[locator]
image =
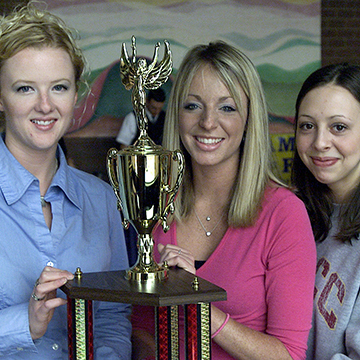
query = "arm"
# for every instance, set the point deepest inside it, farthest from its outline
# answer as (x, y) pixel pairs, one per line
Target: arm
(289, 258)
(113, 331)
(352, 336)
(128, 130)
(143, 335)
(27, 322)
(44, 301)
(15, 336)
(112, 320)
(143, 345)
(241, 342)
(287, 253)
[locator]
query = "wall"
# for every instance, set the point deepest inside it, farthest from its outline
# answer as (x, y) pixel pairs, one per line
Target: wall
(8, 5)
(340, 37)
(281, 37)
(340, 31)
(340, 41)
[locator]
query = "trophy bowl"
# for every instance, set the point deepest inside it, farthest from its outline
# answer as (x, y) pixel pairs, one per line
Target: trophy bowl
(145, 178)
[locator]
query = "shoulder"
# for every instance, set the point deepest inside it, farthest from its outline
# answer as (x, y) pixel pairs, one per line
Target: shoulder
(276, 195)
(130, 116)
(89, 183)
(286, 221)
(281, 204)
(162, 115)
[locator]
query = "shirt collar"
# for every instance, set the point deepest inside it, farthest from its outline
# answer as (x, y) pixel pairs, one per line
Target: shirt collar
(15, 179)
(150, 117)
(66, 179)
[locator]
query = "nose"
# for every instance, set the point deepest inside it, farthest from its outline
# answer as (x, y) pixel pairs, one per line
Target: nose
(44, 103)
(322, 141)
(208, 119)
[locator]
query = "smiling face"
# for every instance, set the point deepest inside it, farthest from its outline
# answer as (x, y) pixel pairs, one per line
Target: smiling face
(37, 95)
(210, 123)
(328, 137)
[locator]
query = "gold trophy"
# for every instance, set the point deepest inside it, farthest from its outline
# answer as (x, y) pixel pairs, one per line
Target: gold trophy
(145, 176)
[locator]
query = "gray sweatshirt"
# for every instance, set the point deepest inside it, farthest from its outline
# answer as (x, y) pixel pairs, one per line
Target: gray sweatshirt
(335, 334)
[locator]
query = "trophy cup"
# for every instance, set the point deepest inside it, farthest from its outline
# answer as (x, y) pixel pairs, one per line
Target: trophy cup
(145, 177)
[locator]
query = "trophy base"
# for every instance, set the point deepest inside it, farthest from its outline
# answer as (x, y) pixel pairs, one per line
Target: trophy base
(141, 275)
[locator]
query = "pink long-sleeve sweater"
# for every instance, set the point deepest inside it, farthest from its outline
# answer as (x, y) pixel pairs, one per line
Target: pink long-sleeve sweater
(268, 271)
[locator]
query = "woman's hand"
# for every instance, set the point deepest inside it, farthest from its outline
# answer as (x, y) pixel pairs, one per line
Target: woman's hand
(43, 300)
(176, 256)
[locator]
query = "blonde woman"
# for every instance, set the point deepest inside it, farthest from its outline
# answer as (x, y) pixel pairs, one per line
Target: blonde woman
(235, 224)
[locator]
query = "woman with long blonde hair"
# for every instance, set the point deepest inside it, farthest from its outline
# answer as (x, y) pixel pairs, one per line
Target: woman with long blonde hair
(235, 224)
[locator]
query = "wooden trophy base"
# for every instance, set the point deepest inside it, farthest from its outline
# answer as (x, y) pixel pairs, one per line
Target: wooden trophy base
(179, 288)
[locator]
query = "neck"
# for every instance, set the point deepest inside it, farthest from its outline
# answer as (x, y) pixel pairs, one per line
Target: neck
(213, 185)
(340, 195)
(43, 168)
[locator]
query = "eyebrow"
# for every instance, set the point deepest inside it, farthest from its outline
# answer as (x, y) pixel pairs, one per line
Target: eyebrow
(223, 98)
(333, 117)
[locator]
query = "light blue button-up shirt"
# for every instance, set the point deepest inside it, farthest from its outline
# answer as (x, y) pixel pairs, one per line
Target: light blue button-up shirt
(86, 232)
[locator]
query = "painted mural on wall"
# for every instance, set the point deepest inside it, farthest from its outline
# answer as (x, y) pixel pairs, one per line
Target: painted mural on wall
(281, 37)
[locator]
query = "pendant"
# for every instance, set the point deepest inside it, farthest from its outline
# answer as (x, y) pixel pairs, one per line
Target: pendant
(208, 218)
(208, 233)
(43, 202)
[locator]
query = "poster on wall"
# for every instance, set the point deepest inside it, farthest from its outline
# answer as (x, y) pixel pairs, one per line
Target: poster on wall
(281, 37)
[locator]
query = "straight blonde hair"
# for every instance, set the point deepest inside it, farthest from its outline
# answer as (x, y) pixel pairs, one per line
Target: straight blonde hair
(255, 167)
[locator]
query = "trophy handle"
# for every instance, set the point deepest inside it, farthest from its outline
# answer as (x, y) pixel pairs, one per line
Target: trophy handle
(112, 173)
(179, 157)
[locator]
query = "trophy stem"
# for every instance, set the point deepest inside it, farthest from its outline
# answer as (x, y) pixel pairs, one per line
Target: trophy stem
(146, 267)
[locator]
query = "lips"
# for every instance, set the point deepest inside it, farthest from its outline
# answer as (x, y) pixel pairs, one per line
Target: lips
(324, 161)
(43, 122)
(208, 141)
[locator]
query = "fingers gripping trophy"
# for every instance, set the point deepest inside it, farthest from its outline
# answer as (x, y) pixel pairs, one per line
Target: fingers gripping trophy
(145, 176)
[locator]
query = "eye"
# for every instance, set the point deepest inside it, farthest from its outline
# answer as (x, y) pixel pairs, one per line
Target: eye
(60, 87)
(191, 106)
(24, 89)
(228, 108)
(306, 126)
(339, 127)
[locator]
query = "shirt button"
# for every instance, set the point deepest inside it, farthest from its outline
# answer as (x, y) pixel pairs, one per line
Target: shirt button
(55, 346)
(50, 263)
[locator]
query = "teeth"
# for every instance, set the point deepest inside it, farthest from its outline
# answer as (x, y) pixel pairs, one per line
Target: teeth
(42, 122)
(208, 141)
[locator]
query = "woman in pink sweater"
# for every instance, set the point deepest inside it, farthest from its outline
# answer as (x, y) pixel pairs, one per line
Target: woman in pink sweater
(235, 224)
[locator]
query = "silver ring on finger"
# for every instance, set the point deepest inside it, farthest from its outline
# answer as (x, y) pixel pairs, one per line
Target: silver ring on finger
(37, 282)
(179, 251)
(33, 295)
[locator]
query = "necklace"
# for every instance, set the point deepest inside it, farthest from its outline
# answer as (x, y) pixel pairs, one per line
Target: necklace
(43, 202)
(42, 197)
(208, 233)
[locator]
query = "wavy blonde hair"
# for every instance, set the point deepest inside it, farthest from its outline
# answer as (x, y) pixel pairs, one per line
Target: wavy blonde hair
(31, 26)
(256, 163)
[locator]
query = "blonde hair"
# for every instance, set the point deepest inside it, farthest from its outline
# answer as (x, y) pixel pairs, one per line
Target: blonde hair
(255, 167)
(30, 26)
